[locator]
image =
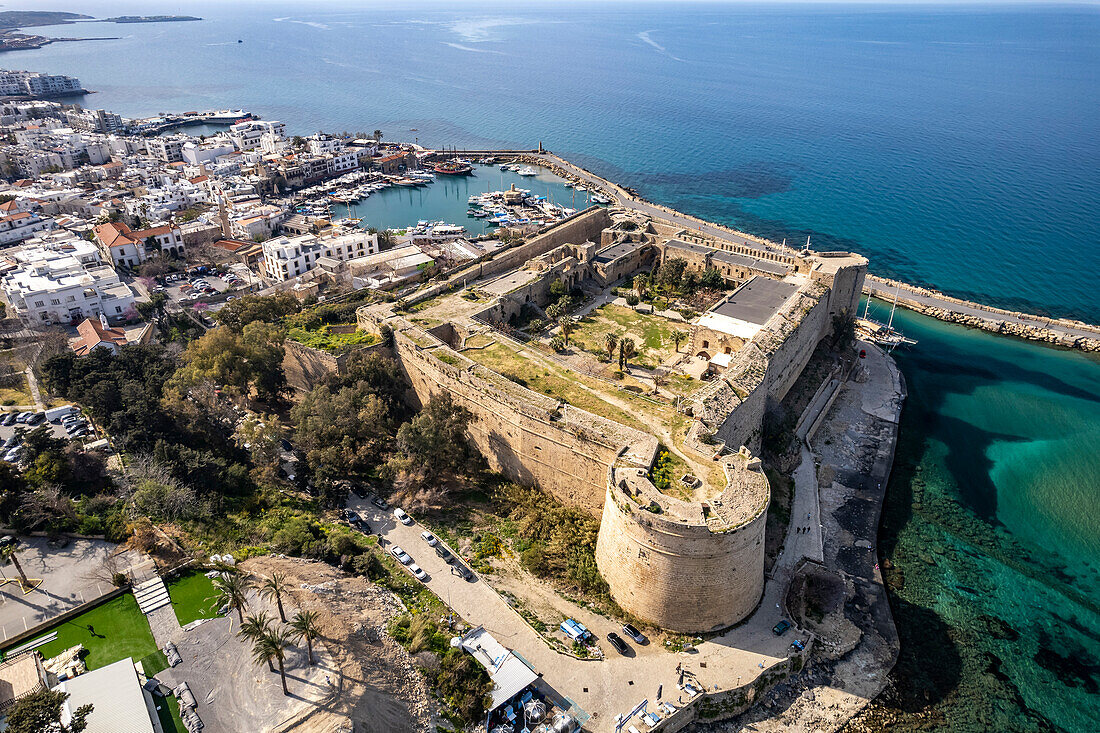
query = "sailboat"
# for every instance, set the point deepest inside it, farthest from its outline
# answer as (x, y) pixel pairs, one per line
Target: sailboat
(879, 334)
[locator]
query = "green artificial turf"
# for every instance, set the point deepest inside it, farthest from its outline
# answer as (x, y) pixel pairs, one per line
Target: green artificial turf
(168, 711)
(121, 631)
(193, 597)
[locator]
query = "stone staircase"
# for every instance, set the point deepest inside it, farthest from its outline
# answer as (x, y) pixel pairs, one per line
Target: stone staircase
(151, 594)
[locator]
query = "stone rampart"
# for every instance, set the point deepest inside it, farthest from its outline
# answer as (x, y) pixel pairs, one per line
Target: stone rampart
(527, 436)
(689, 567)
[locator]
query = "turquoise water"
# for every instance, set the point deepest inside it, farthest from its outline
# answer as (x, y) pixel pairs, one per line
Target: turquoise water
(447, 199)
(955, 146)
(992, 527)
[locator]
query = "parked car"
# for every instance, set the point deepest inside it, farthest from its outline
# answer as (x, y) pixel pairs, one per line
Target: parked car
(402, 516)
(633, 633)
(618, 643)
(357, 490)
(14, 454)
(444, 553)
(797, 644)
(9, 419)
(36, 418)
(781, 628)
(379, 502)
(429, 538)
(464, 571)
(418, 573)
(401, 555)
(353, 517)
(21, 418)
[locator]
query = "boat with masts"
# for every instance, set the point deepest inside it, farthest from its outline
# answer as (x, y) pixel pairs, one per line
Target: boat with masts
(883, 335)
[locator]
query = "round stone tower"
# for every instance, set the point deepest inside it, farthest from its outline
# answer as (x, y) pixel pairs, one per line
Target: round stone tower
(689, 567)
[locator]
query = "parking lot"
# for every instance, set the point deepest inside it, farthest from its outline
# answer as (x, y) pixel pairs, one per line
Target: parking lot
(56, 429)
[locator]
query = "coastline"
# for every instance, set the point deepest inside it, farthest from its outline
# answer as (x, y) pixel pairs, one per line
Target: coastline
(1061, 332)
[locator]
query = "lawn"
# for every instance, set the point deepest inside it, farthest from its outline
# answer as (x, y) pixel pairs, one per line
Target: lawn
(193, 597)
(121, 630)
(17, 392)
(652, 335)
(327, 340)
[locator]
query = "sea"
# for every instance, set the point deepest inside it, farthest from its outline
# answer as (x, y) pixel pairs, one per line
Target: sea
(957, 146)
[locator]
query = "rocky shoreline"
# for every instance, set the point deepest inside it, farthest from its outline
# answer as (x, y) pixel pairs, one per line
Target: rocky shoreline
(1057, 332)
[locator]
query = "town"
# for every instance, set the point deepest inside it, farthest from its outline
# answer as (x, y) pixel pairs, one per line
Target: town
(249, 435)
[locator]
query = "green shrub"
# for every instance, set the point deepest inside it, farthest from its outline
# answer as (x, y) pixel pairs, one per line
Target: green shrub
(662, 471)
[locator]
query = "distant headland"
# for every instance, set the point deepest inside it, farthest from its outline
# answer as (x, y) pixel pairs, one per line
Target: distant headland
(12, 21)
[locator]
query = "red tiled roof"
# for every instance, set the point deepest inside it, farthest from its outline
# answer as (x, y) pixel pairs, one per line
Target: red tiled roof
(92, 333)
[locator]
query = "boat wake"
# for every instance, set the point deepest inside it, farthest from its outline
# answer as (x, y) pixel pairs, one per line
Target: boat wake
(460, 47)
(644, 36)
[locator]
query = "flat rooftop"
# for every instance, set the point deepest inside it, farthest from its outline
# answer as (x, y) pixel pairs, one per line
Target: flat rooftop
(768, 266)
(757, 300)
(615, 251)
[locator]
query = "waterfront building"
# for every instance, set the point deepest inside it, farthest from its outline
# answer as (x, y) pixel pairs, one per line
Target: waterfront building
(36, 84)
(167, 149)
(246, 135)
(288, 257)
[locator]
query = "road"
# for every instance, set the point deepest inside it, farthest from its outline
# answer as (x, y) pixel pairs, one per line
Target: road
(607, 687)
(622, 197)
(885, 290)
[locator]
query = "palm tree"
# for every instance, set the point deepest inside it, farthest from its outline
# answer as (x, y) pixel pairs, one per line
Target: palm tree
(641, 284)
(678, 338)
(610, 341)
(626, 350)
(263, 652)
(304, 626)
(377, 135)
(274, 643)
(233, 589)
(274, 587)
(7, 553)
(566, 324)
(254, 627)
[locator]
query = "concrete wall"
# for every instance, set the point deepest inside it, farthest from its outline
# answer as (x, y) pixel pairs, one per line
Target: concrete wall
(306, 367)
(679, 575)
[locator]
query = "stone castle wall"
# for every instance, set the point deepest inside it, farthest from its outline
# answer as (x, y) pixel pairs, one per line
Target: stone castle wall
(679, 577)
(529, 437)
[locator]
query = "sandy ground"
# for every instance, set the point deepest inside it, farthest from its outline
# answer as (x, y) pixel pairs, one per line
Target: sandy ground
(376, 687)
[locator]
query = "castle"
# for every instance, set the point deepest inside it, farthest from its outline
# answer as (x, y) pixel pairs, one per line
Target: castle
(687, 557)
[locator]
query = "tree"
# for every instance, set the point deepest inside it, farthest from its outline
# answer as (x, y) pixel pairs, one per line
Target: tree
(273, 588)
(712, 280)
(268, 308)
(567, 326)
(272, 646)
(626, 350)
(40, 712)
(678, 337)
(377, 135)
(555, 311)
(433, 446)
(305, 628)
(7, 553)
(671, 272)
(610, 341)
(253, 629)
(247, 362)
(557, 290)
(641, 284)
(233, 591)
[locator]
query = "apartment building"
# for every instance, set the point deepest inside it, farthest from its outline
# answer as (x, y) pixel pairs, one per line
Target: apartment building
(288, 257)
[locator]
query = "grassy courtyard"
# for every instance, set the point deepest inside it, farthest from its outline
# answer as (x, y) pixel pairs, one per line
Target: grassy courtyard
(193, 598)
(592, 395)
(652, 335)
(110, 632)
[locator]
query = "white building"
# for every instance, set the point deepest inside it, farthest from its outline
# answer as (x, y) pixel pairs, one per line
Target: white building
(167, 149)
(19, 226)
(35, 84)
(248, 134)
(288, 257)
(62, 283)
(196, 152)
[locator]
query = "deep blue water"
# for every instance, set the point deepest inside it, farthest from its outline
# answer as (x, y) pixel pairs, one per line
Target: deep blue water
(955, 146)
